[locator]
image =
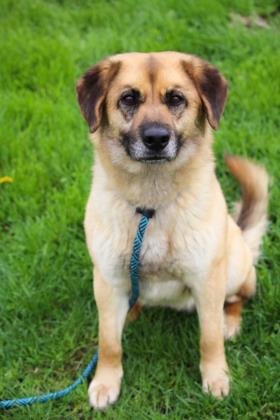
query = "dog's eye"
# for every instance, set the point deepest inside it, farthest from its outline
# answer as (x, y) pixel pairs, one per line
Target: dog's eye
(174, 99)
(130, 99)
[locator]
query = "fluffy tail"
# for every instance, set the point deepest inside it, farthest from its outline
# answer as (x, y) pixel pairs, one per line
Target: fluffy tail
(251, 212)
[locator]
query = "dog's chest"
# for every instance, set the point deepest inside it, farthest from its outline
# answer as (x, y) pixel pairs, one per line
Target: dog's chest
(162, 275)
(173, 256)
(170, 261)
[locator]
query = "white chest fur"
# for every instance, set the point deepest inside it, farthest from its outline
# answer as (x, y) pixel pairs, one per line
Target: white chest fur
(176, 252)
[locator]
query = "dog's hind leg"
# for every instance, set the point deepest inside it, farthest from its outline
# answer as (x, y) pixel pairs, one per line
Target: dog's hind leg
(232, 318)
(134, 312)
(233, 306)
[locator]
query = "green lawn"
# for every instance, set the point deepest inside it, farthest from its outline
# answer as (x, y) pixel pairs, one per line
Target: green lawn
(48, 317)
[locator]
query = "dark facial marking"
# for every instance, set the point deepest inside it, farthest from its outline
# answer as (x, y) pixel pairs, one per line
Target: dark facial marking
(152, 69)
(127, 139)
(128, 102)
(175, 101)
(136, 147)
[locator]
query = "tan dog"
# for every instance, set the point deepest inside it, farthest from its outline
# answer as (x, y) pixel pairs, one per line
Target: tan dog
(151, 118)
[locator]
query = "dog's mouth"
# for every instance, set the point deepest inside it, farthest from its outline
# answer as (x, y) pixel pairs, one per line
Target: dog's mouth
(154, 159)
(143, 156)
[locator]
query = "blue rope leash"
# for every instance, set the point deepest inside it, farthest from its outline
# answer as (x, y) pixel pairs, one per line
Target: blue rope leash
(134, 278)
(134, 260)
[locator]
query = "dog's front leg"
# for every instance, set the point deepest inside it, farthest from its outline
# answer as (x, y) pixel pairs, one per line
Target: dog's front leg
(210, 297)
(112, 304)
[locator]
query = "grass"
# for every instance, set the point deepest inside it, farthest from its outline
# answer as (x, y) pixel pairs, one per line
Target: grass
(48, 317)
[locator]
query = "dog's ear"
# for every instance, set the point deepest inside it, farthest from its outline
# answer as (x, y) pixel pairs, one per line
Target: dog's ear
(92, 89)
(211, 87)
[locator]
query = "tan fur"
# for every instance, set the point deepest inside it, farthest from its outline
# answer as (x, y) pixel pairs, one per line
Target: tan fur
(134, 312)
(193, 252)
(252, 211)
(232, 318)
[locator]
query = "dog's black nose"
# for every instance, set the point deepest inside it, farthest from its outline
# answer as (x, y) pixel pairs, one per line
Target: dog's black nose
(155, 137)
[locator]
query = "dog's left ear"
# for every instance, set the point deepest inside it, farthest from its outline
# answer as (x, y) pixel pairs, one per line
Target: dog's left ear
(92, 89)
(211, 87)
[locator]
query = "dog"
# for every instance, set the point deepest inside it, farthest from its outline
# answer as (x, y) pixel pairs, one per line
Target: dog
(150, 117)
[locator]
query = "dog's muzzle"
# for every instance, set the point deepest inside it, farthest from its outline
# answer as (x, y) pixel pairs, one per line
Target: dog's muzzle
(152, 143)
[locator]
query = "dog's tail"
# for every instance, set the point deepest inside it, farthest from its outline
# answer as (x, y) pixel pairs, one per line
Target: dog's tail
(251, 212)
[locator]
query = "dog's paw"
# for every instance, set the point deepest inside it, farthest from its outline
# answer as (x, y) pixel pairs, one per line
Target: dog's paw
(104, 391)
(215, 382)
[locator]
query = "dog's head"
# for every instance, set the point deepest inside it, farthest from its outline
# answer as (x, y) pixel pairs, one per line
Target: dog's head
(151, 108)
